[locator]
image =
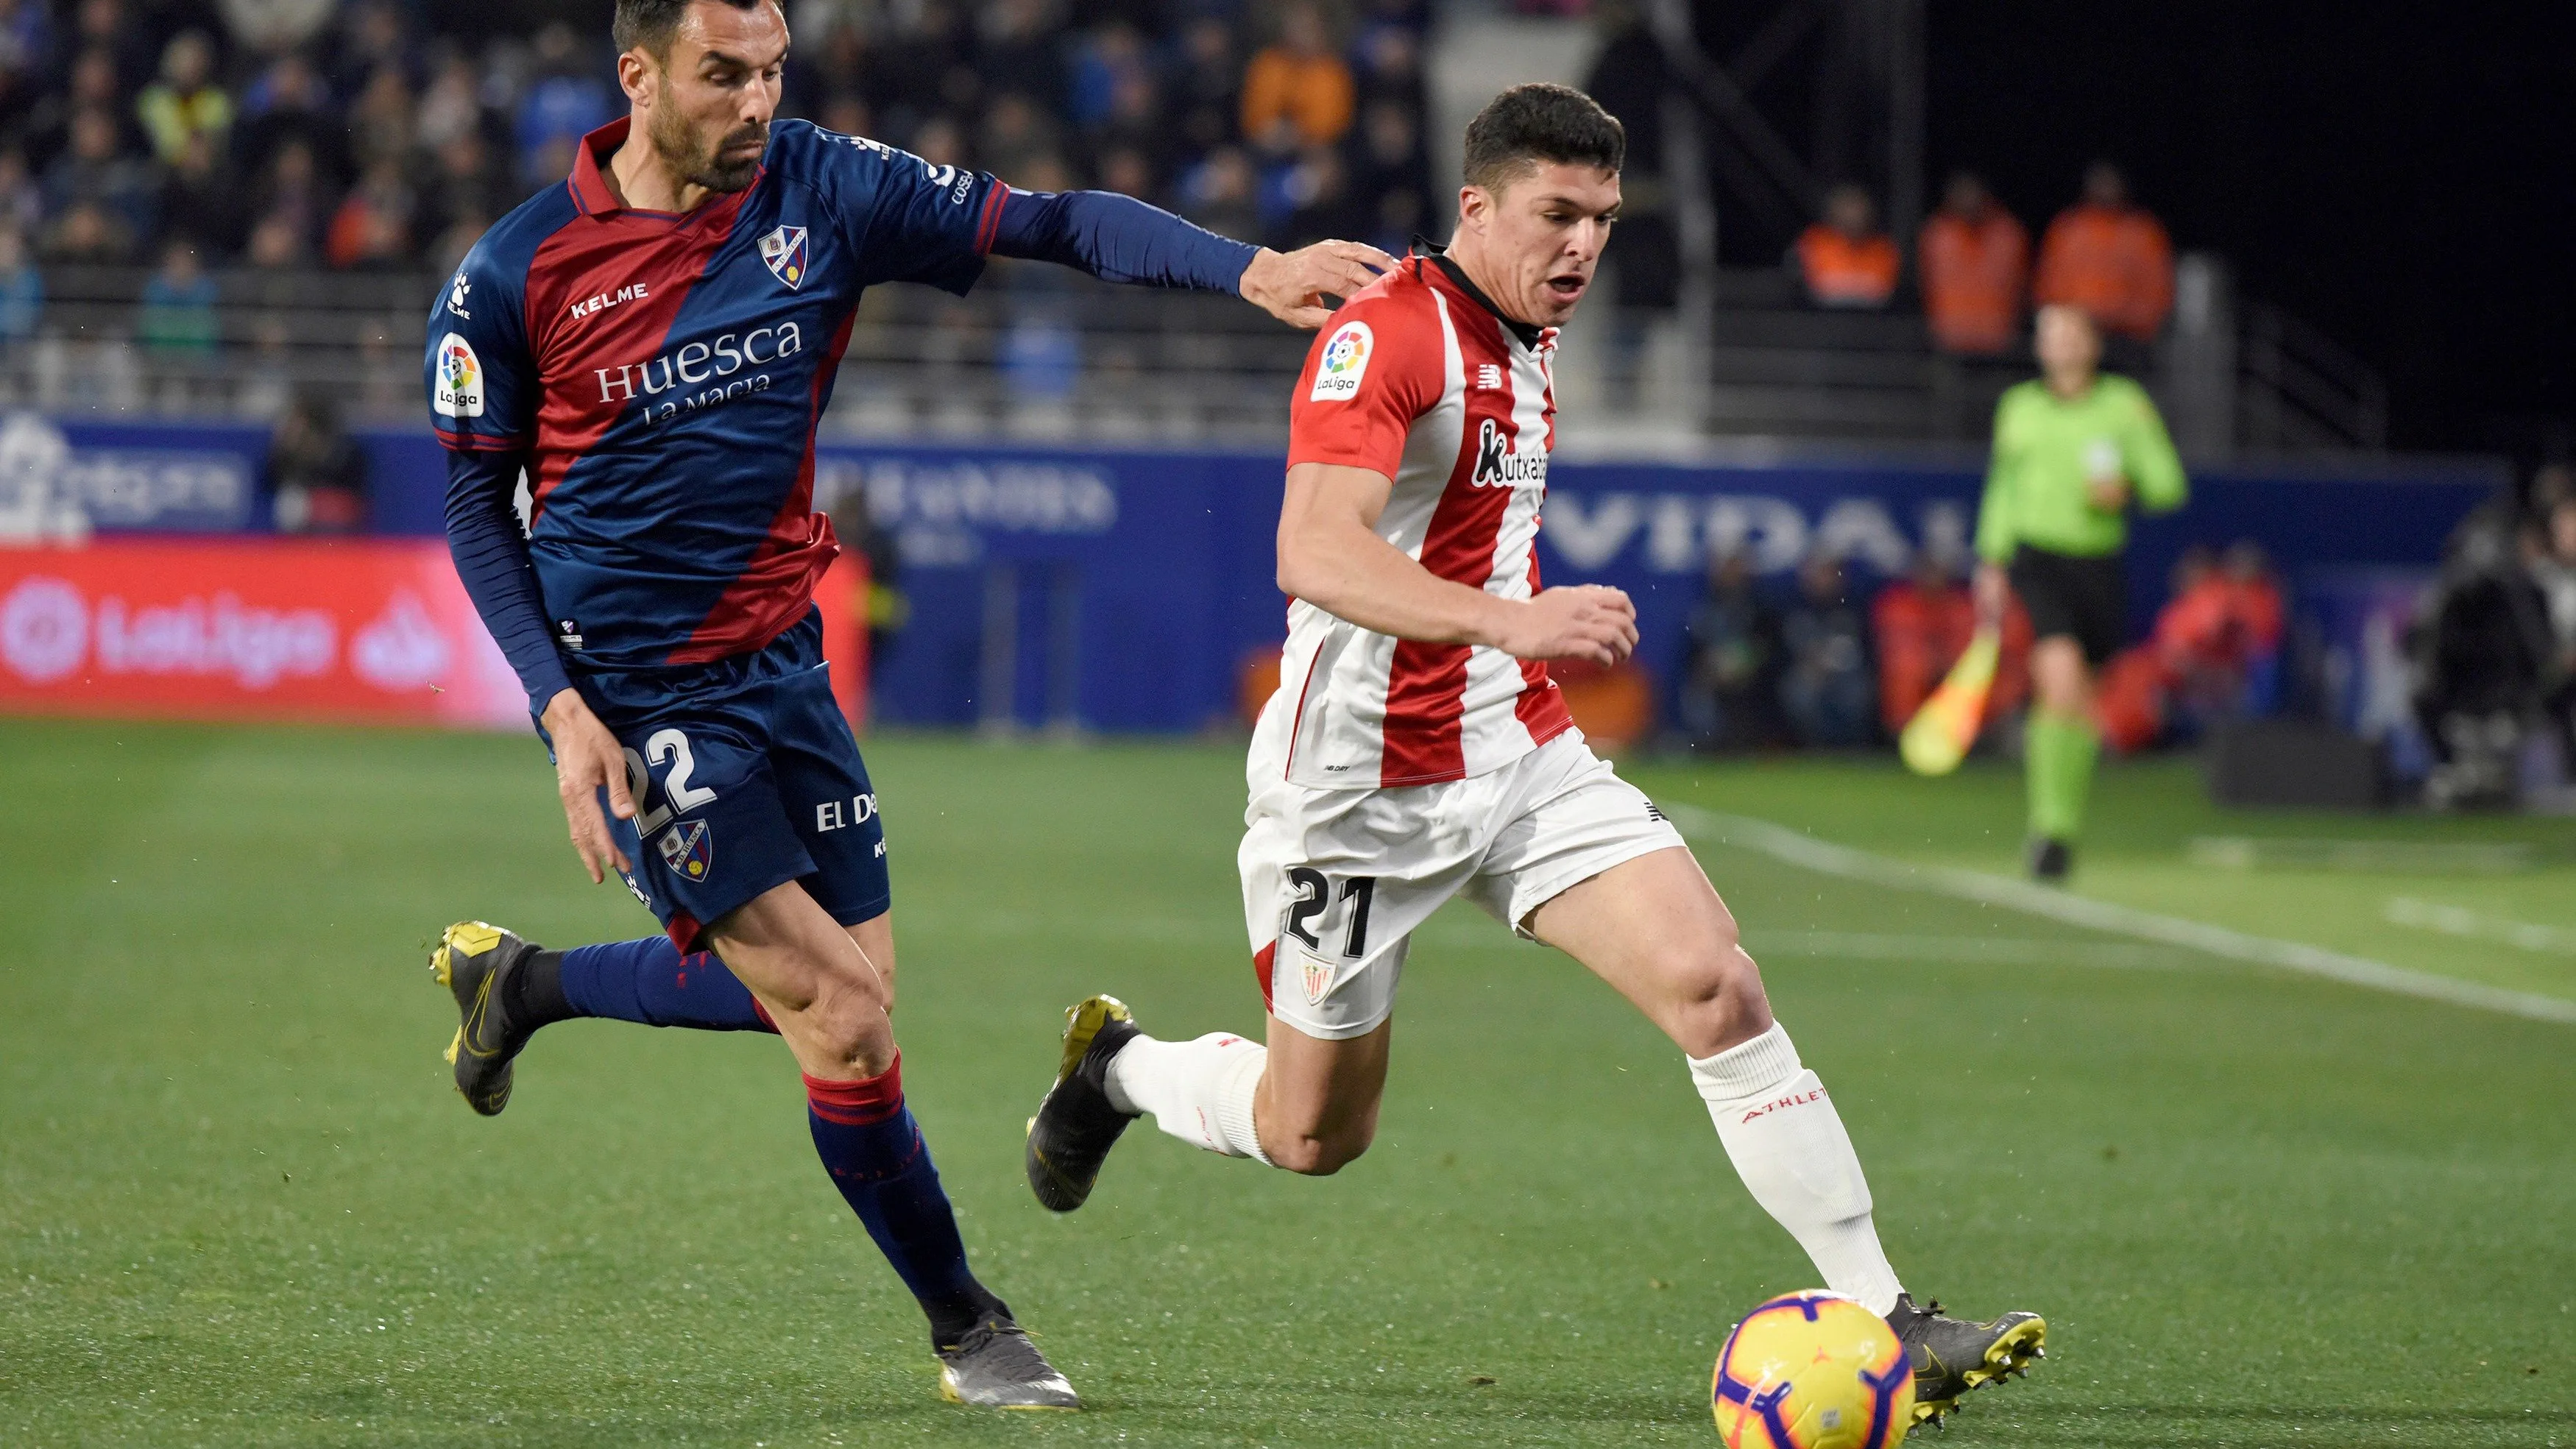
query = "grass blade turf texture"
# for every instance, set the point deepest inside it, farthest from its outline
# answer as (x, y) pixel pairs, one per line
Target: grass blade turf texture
(240, 1203)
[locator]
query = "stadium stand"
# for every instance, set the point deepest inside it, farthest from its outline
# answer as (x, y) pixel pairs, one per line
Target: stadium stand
(326, 162)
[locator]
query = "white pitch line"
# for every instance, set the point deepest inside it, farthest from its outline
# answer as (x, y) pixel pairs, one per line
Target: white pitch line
(1783, 844)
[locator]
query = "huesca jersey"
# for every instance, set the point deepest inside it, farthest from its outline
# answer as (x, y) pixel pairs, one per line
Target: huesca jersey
(663, 374)
(1419, 378)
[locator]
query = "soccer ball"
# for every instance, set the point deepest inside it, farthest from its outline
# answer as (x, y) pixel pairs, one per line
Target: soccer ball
(1813, 1370)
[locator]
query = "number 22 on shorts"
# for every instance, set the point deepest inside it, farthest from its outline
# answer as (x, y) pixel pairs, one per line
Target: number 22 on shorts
(673, 746)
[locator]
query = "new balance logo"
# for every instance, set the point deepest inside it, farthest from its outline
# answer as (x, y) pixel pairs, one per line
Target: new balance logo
(1489, 375)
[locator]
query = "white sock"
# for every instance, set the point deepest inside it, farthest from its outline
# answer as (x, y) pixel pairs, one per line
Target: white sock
(1199, 1091)
(1789, 1146)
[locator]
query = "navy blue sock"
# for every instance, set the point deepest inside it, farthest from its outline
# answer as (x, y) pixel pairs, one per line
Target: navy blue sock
(873, 1149)
(647, 980)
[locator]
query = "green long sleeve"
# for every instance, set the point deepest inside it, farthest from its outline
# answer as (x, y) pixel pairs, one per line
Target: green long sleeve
(2047, 449)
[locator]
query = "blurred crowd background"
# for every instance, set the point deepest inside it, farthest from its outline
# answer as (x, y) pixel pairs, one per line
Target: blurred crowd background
(235, 211)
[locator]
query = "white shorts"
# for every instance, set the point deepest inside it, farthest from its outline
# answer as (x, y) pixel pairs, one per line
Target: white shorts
(1336, 881)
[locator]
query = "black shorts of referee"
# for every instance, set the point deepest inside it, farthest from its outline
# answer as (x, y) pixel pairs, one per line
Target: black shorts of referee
(2085, 599)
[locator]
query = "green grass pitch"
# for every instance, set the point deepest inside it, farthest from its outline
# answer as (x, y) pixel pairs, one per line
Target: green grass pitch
(240, 1204)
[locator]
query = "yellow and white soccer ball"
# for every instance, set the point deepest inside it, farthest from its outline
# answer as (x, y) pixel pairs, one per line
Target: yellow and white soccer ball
(1813, 1370)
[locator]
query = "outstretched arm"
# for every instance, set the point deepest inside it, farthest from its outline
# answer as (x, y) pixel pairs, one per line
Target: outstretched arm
(1120, 239)
(1331, 556)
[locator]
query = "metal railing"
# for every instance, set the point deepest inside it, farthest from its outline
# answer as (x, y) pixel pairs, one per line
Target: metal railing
(1044, 355)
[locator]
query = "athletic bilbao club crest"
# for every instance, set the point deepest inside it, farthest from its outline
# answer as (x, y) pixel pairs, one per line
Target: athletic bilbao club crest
(784, 250)
(689, 849)
(1318, 974)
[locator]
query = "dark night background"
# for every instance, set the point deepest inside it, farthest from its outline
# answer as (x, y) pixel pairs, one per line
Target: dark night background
(2402, 176)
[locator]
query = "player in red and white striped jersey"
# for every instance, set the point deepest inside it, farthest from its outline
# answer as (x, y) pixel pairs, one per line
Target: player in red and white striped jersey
(1417, 751)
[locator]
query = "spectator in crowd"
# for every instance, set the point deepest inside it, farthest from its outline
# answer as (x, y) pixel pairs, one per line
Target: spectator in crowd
(1825, 685)
(1015, 135)
(1017, 54)
(109, 26)
(1207, 85)
(1729, 697)
(201, 199)
(567, 101)
(1974, 262)
(1845, 261)
(95, 174)
(451, 105)
(88, 234)
(1297, 92)
(1390, 179)
(374, 38)
(288, 104)
(185, 102)
(2110, 258)
(292, 194)
(22, 201)
(273, 27)
(1134, 123)
(317, 476)
(463, 184)
(1103, 61)
(1218, 193)
(26, 47)
(372, 227)
(46, 132)
(380, 123)
(2213, 655)
(1320, 200)
(22, 289)
(177, 316)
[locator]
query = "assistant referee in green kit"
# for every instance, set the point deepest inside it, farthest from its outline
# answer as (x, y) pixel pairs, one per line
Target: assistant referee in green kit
(2074, 448)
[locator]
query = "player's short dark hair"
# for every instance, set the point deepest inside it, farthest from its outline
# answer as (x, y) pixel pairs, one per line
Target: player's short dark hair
(651, 23)
(1539, 122)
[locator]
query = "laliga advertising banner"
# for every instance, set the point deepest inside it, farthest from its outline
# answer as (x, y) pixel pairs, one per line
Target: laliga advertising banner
(373, 631)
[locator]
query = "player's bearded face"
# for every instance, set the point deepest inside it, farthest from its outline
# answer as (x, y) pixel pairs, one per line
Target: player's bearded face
(715, 153)
(1543, 234)
(717, 89)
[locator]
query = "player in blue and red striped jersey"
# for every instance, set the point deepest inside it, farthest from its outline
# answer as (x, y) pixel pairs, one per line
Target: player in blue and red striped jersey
(652, 343)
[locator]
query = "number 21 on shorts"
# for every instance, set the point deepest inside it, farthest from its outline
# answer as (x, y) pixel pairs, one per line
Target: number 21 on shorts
(1318, 897)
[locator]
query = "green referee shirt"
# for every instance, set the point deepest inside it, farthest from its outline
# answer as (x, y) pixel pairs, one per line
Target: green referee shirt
(2047, 448)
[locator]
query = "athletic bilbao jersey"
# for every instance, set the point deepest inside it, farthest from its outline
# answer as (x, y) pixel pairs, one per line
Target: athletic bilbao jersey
(664, 374)
(1419, 378)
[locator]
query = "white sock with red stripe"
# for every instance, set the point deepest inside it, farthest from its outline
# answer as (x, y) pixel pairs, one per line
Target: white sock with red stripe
(1199, 1091)
(1789, 1146)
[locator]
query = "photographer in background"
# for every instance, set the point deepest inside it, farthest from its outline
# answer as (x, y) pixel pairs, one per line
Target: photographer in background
(317, 476)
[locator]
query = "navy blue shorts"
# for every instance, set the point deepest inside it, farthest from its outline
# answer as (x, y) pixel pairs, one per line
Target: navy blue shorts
(745, 777)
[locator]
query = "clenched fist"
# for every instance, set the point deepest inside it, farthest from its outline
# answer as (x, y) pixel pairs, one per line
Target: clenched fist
(1584, 621)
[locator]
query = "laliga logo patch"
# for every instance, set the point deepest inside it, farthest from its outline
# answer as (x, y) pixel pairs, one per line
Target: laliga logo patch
(784, 250)
(1345, 362)
(689, 849)
(457, 391)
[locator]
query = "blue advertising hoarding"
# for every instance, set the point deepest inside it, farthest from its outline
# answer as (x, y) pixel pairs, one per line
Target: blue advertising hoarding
(1122, 589)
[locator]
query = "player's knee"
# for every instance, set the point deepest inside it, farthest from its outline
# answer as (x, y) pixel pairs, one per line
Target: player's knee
(1719, 1001)
(847, 1020)
(1321, 1153)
